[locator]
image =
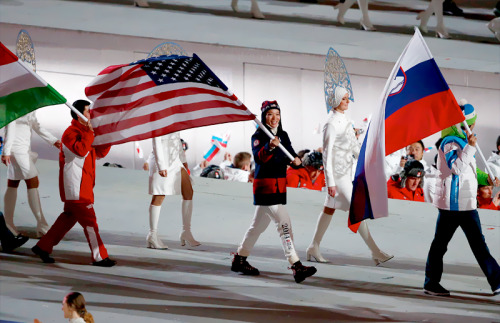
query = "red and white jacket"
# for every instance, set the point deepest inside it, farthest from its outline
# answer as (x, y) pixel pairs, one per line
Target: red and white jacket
(77, 164)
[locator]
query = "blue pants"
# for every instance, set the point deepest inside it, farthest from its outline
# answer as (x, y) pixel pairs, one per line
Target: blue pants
(447, 224)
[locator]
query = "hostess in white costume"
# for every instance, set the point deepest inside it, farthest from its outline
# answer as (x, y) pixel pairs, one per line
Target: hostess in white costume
(340, 150)
(168, 155)
(22, 167)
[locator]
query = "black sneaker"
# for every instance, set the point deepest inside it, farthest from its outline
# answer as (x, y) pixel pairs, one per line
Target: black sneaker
(301, 272)
(106, 262)
(241, 265)
(8, 245)
(436, 290)
(451, 9)
(44, 255)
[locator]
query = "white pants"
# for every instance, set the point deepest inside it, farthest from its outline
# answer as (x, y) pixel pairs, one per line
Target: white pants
(342, 199)
(262, 218)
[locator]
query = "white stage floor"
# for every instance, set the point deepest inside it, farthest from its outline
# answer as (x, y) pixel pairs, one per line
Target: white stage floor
(196, 284)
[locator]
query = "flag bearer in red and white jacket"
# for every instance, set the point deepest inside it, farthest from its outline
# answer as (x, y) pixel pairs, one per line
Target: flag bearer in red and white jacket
(76, 186)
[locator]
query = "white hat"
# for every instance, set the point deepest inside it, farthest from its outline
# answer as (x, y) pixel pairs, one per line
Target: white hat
(339, 94)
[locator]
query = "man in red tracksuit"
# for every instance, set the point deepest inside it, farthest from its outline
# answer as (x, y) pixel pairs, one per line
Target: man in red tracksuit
(407, 186)
(76, 187)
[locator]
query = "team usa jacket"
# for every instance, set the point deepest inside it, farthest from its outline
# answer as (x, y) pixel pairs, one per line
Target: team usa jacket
(269, 186)
(77, 164)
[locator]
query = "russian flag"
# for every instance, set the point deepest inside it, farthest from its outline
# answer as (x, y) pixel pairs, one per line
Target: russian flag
(415, 104)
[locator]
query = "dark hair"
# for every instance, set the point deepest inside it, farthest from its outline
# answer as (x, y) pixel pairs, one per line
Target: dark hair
(80, 106)
(76, 301)
(498, 142)
(421, 144)
(302, 153)
(212, 171)
(241, 159)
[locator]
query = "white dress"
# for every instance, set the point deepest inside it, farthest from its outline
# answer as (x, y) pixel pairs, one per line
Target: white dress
(18, 146)
(167, 155)
(340, 150)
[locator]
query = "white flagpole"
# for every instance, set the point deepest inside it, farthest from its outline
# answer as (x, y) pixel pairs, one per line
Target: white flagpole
(267, 132)
(78, 113)
(488, 169)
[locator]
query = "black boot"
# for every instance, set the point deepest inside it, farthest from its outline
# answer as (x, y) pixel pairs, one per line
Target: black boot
(241, 265)
(106, 262)
(450, 8)
(301, 272)
(44, 255)
(8, 240)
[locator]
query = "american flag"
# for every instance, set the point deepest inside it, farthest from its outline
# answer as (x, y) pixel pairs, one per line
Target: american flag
(157, 96)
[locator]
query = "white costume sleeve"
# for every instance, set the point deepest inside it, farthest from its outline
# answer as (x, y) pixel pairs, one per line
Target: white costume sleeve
(42, 132)
(158, 152)
(328, 141)
(10, 134)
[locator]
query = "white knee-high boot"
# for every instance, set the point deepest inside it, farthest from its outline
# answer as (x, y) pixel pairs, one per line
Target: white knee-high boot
(378, 255)
(313, 250)
(365, 22)
(10, 199)
(255, 10)
(343, 7)
(234, 5)
(152, 239)
(186, 235)
(441, 31)
(141, 3)
(34, 201)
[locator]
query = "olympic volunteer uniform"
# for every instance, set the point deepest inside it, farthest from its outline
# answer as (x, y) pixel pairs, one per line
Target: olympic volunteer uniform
(76, 187)
(22, 166)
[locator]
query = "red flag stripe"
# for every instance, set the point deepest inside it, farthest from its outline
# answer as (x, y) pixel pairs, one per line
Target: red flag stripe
(166, 112)
(151, 98)
(178, 126)
(110, 80)
(6, 56)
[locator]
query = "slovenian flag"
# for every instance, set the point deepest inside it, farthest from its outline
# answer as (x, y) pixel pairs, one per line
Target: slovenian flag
(21, 89)
(415, 104)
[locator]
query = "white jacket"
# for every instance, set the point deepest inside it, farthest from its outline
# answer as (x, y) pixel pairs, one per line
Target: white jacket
(456, 180)
(340, 147)
(494, 163)
(18, 135)
(168, 152)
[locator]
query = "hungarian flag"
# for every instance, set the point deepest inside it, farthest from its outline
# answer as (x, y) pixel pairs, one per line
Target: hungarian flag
(415, 104)
(21, 89)
(157, 96)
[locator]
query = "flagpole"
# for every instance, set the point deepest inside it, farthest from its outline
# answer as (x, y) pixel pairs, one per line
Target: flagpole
(488, 169)
(267, 132)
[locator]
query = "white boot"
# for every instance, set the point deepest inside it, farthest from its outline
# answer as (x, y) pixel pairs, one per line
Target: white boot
(378, 255)
(10, 205)
(141, 3)
(441, 31)
(186, 235)
(365, 22)
(254, 9)
(343, 7)
(152, 239)
(313, 250)
(234, 5)
(34, 201)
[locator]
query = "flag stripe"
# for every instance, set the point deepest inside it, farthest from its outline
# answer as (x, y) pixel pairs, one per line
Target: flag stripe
(178, 126)
(127, 121)
(430, 111)
(109, 80)
(14, 78)
(7, 56)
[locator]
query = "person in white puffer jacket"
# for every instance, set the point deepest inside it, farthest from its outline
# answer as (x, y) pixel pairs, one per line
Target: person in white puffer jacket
(20, 161)
(168, 176)
(340, 148)
(455, 197)
(494, 164)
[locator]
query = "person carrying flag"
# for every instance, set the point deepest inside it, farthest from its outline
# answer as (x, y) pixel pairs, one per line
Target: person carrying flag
(168, 176)
(340, 147)
(76, 187)
(269, 192)
(455, 198)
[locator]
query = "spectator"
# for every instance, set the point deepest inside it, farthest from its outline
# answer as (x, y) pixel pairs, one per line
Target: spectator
(485, 199)
(408, 186)
(73, 307)
(310, 175)
(239, 169)
(76, 186)
(455, 198)
(212, 171)
(494, 160)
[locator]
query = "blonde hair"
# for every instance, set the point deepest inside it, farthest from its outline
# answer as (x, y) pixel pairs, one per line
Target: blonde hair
(76, 301)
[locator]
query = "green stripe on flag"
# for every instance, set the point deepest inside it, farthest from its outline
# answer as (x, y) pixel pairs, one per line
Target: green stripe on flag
(17, 104)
